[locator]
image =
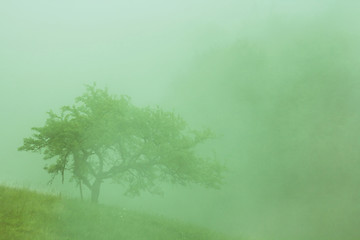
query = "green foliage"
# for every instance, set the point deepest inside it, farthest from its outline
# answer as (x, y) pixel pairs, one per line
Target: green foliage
(26, 215)
(106, 137)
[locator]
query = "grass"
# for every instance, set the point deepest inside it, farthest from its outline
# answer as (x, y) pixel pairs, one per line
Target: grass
(27, 215)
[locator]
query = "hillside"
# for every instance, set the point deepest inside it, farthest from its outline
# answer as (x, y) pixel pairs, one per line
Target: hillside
(27, 215)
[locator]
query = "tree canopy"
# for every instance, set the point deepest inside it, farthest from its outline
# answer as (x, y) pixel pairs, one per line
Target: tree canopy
(104, 136)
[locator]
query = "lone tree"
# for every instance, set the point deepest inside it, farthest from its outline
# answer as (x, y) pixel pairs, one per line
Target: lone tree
(106, 137)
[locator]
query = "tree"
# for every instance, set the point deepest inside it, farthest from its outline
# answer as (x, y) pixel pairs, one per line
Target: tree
(104, 137)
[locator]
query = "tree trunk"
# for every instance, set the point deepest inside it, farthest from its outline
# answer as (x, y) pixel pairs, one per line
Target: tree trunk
(81, 191)
(95, 191)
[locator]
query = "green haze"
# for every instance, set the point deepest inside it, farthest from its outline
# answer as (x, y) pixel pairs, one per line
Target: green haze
(277, 81)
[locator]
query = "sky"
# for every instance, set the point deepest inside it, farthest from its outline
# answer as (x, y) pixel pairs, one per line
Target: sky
(277, 80)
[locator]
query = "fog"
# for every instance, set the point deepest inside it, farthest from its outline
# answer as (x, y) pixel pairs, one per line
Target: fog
(277, 81)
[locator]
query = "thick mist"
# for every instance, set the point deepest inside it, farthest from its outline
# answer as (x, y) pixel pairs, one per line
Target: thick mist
(277, 81)
(285, 103)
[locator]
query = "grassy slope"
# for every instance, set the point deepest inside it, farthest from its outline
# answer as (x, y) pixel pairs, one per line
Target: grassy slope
(33, 216)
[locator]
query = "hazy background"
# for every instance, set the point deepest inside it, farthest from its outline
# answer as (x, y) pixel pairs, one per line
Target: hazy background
(278, 81)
